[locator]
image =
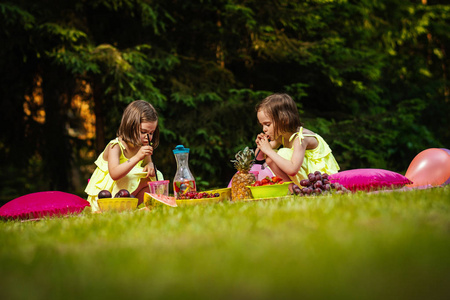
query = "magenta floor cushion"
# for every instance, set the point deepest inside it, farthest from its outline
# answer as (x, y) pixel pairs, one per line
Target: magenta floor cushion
(43, 204)
(369, 179)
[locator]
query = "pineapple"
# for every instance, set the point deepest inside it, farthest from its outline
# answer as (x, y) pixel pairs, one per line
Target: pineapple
(244, 161)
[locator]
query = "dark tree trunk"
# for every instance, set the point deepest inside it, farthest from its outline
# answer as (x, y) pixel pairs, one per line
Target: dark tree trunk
(57, 151)
(99, 117)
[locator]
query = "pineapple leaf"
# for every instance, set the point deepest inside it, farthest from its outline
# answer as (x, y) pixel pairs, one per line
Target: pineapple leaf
(244, 159)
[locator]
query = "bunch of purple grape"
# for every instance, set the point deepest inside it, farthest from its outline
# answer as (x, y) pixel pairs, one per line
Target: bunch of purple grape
(317, 184)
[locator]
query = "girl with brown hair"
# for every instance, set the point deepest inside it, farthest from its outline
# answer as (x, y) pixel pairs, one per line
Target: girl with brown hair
(126, 161)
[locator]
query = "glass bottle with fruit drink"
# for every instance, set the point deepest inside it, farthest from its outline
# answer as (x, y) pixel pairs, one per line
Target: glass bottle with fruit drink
(183, 181)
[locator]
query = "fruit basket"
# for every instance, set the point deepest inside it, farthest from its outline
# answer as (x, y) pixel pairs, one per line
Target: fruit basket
(184, 202)
(191, 198)
(117, 204)
(270, 191)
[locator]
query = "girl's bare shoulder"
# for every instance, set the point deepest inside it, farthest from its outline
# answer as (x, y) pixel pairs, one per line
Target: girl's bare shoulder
(310, 140)
(111, 149)
(307, 131)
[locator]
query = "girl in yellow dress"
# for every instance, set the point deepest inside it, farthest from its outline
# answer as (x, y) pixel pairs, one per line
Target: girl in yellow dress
(126, 161)
(303, 151)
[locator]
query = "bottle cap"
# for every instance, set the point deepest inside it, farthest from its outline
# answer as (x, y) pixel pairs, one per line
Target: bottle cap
(180, 149)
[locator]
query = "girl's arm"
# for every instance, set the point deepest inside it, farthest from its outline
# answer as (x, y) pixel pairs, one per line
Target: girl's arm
(149, 167)
(118, 170)
(290, 167)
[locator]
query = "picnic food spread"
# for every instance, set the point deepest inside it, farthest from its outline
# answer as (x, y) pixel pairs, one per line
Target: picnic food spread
(244, 185)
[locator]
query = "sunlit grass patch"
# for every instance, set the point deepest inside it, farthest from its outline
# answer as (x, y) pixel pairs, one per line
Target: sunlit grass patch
(355, 246)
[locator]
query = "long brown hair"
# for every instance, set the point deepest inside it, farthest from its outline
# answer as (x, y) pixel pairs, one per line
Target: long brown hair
(135, 113)
(283, 112)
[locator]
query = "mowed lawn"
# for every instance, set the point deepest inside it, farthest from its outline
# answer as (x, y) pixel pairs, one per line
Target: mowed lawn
(392, 245)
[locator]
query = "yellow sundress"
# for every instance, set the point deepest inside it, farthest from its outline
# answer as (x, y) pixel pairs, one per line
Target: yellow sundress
(101, 180)
(318, 159)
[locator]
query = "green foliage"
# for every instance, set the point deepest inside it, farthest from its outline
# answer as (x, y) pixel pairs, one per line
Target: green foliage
(356, 138)
(13, 15)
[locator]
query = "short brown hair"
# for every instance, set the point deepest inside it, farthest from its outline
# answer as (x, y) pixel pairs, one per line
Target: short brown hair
(135, 113)
(283, 112)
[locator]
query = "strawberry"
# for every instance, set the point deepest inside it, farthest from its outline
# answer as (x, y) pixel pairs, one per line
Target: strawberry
(276, 179)
(265, 180)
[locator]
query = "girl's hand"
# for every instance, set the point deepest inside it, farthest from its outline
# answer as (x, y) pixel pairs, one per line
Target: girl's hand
(260, 136)
(144, 151)
(263, 143)
(150, 169)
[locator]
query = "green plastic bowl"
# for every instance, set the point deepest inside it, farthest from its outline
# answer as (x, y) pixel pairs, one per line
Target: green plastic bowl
(270, 191)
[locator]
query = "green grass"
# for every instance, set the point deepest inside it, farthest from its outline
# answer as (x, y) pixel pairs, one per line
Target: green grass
(358, 246)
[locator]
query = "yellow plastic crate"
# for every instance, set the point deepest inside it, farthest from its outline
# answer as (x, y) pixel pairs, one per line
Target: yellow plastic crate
(117, 204)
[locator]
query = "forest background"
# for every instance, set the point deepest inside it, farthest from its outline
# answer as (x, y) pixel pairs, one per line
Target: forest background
(370, 76)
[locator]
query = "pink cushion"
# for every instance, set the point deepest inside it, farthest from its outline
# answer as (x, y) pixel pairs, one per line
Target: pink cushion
(43, 204)
(369, 179)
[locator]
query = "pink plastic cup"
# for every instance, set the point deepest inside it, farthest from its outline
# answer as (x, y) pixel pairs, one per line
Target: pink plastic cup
(160, 187)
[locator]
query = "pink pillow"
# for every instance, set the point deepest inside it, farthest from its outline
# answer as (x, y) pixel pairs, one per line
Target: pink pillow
(369, 179)
(43, 204)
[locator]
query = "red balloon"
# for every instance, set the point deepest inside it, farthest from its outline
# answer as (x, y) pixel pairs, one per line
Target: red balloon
(431, 166)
